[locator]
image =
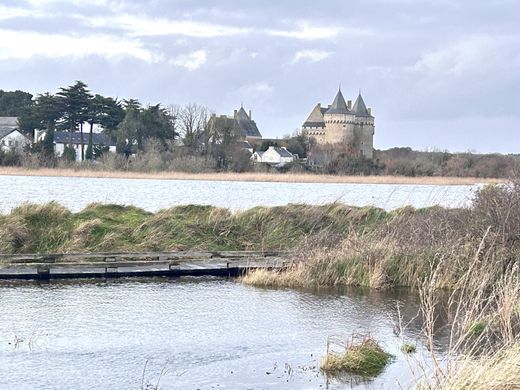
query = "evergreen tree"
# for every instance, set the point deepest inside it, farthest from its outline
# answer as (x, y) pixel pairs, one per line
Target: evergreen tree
(76, 100)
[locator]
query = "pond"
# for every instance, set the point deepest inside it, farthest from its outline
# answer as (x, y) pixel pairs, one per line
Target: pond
(191, 333)
(76, 192)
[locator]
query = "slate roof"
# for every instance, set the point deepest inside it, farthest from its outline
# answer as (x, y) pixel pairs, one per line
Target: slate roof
(63, 137)
(242, 122)
(7, 125)
(282, 152)
(360, 109)
(315, 119)
(339, 106)
(245, 145)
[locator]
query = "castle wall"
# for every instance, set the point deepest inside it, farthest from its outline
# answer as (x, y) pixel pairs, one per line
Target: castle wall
(339, 128)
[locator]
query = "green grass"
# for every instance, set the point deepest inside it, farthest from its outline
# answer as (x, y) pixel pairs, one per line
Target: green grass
(477, 328)
(52, 228)
(408, 348)
(365, 358)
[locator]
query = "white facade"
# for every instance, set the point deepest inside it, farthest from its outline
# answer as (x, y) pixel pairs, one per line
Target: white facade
(59, 148)
(274, 155)
(14, 141)
(63, 140)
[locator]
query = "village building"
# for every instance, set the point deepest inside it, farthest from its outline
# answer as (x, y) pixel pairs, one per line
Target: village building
(274, 155)
(241, 122)
(11, 139)
(62, 139)
(342, 123)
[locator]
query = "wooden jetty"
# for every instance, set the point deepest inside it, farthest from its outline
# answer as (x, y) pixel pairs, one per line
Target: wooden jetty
(113, 265)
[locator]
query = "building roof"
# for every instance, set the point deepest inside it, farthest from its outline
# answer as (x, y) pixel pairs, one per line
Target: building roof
(339, 106)
(245, 145)
(281, 151)
(7, 125)
(63, 137)
(242, 122)
(315, 119)
(360, 109)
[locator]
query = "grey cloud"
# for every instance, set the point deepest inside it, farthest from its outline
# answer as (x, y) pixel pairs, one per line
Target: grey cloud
(434, 71)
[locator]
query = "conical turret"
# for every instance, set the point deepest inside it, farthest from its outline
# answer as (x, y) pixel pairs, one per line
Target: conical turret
(339, 106)
(360, 109)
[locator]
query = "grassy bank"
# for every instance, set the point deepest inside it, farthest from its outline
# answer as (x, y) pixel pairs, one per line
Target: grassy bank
(403, 247)
(246, 176)
(53, 228)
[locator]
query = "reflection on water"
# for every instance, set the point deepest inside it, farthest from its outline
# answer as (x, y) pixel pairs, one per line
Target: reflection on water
(205, 333)
(152, 195)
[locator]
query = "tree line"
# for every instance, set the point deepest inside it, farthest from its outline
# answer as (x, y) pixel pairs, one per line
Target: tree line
(134, 128)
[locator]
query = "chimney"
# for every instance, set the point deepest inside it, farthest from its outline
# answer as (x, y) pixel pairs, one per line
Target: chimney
(349, 104)
(250, 116)
(235, 114)
(369, 110)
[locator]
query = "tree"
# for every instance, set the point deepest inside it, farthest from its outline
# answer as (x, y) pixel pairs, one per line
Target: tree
(76, 100)
(224, 145)
(15, 102)
(193, 123)
(298, 144)
(95, 110)
(140, 125)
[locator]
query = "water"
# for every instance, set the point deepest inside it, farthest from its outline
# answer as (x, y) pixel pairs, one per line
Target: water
(202, 333)
(75, 193)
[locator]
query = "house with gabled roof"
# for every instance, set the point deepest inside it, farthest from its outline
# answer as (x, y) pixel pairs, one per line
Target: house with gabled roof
(342, 123)
(11, 139)
(274, 155)
(63, 139)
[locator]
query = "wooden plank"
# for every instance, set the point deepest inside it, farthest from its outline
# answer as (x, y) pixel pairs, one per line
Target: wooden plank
(223, 263)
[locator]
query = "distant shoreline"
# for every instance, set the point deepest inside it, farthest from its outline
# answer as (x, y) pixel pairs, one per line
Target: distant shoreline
(248, 176)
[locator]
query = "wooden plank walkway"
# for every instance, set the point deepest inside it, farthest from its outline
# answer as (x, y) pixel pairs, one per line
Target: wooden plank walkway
(112, 265)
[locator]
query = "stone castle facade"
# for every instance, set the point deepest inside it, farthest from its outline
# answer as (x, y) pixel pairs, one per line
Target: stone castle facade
(342, 123)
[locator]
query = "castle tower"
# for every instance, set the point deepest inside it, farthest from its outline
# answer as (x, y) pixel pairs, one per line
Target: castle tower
(339, 121)
(364, 127)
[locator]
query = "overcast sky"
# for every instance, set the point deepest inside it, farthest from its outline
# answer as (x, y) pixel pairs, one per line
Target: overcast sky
(438, 73)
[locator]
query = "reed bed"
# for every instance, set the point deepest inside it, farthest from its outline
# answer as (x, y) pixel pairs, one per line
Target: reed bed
(289, 177)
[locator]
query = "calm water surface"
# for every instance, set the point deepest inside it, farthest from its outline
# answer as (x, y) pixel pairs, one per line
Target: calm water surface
(202, 333)
(152, 195)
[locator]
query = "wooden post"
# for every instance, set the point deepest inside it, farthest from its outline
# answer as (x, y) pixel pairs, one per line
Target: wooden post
(43, 272)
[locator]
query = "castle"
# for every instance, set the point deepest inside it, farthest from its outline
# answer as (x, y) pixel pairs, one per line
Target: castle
(341, 122)
(241, 122)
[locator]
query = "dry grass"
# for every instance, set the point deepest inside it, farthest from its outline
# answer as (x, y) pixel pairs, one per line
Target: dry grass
(499, 370)
(253, 176)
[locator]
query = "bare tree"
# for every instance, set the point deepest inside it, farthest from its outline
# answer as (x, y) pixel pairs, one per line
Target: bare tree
(193, 120)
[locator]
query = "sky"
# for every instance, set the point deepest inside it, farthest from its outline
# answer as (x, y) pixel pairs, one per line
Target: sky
(438, 74)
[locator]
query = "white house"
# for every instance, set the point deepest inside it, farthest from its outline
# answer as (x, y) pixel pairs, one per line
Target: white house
(62, 139)
(10, 137)
(274, 155)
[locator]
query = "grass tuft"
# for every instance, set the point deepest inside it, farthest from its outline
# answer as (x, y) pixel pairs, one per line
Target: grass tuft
(408, 348)
(362, 357)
